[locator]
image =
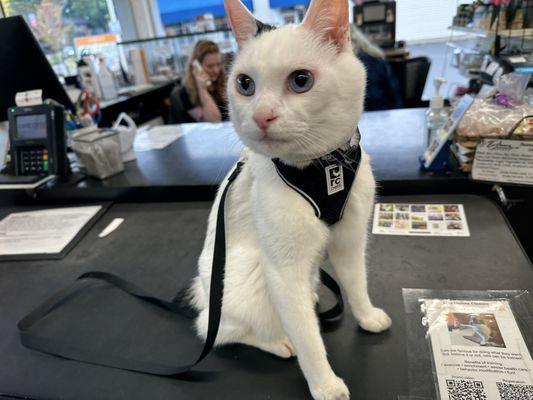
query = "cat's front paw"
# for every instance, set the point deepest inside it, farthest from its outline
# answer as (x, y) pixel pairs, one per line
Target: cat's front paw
(375, 320)
(333, 389)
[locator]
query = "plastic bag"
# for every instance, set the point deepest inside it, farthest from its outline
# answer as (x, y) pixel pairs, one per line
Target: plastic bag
(513, 85)
(486, 119)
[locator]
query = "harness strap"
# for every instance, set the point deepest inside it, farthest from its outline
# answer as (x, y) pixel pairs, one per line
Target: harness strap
(326, 182)
(35, 341)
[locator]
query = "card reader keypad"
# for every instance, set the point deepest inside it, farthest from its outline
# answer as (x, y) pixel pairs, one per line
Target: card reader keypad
(34, 160)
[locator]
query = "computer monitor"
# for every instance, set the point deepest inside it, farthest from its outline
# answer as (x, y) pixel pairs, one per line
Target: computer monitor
(23, 66)
(377, 20)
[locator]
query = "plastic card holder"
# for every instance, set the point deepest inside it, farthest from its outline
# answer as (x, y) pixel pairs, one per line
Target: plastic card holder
(485, 334)
(436, 155)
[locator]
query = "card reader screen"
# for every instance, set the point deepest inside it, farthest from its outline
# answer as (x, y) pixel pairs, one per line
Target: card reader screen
(31, 126)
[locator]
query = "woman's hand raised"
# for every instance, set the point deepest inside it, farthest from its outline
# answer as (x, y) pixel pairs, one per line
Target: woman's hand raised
(201, 78)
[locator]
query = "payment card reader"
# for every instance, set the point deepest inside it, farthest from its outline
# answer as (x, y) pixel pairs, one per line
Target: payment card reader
(37, 138)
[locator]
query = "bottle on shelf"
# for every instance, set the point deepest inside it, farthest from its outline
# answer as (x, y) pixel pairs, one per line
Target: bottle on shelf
(108, 86)
(436, 115)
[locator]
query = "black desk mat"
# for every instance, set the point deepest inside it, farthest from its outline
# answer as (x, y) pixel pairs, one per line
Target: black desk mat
(157, 247)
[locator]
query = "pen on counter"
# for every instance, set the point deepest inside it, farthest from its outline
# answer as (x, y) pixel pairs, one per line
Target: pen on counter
(111, 227)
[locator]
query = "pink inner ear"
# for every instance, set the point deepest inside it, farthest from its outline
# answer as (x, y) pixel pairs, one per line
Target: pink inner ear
(242, 21)
(329, 18)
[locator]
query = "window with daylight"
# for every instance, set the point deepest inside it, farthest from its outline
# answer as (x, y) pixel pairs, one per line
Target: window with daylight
(67, 28)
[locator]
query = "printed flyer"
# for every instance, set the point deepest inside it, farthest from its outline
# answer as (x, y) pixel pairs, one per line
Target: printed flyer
(507, 161)
(478, 350)
(420, 220)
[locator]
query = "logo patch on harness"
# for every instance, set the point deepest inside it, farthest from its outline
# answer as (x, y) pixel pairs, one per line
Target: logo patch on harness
(335, 179)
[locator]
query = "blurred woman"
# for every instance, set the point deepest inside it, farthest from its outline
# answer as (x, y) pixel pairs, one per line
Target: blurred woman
(203, 95)
(382, 88)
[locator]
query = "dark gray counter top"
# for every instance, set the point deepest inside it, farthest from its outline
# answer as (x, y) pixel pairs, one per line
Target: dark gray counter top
(192, 167)
(157, 247)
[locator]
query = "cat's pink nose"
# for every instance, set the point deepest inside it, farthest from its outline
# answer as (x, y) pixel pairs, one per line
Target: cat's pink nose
(263, 120)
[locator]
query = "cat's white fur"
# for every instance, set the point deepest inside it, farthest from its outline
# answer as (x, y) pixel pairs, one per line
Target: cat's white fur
(274, 242)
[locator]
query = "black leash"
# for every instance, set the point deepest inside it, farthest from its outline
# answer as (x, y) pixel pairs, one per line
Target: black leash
(35, 341)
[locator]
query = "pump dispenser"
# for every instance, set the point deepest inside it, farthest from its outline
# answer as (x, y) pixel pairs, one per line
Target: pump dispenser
(436, 115)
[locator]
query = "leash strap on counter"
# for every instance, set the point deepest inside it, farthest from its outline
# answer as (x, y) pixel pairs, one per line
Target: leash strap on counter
(57, 347)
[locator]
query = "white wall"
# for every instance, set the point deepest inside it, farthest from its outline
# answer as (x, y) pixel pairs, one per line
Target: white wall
(421, 20)
(263, 12)
(159, 29)
(125, 17)
(139, 19)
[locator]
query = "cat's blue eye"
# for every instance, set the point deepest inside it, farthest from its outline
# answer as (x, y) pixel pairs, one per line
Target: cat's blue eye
(301, 81)
(245, 85)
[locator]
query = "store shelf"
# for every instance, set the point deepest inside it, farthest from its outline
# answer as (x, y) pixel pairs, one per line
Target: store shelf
(465, 49)
(169, 37)
(518, 33)
(471, 31)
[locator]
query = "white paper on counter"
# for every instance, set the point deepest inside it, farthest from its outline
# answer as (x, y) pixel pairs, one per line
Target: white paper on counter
(43, 231)
(216, 128)
(478, 350)
(157, 138)
(4, 143)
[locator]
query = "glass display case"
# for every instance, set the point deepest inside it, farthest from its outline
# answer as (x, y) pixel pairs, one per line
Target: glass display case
(169, 54)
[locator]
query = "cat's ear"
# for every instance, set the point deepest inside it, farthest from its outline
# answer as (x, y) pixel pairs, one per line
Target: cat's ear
(243, 24)
(329, 19)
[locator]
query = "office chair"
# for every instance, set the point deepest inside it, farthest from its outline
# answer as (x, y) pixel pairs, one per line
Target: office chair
(382, 88)
(411, 75)
(176, 112)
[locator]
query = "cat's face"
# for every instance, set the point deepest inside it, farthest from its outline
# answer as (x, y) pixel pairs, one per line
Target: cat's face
(295, 94)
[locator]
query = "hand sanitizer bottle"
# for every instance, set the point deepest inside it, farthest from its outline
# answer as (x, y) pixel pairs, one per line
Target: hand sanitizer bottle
(436, 115)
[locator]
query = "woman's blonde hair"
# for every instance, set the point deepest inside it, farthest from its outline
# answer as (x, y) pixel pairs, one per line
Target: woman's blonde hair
(218, 87)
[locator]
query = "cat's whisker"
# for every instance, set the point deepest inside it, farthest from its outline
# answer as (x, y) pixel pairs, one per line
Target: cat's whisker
(317, 141)
(301, 142)
(321, 140)
(307, 145)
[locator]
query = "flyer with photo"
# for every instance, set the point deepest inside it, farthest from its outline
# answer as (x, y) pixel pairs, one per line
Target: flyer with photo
(478, 350)
(420, 219)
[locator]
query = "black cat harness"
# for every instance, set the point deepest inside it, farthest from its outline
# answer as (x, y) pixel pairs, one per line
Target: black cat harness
(325, 183)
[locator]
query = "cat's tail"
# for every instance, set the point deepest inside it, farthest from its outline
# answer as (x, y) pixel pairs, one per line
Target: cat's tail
(191, 301)
(193, 295)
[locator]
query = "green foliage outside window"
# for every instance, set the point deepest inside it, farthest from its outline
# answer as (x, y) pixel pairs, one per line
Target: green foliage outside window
(56, 23)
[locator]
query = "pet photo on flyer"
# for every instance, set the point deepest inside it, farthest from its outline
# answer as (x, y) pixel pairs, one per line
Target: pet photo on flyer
(478, 350)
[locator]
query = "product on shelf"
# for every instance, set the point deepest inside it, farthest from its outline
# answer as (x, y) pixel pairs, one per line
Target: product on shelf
(487, 119)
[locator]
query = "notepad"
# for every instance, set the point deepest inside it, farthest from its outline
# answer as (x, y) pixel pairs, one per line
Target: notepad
(44, 231)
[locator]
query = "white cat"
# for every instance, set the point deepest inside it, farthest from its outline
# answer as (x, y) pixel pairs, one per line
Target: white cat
(274, 242)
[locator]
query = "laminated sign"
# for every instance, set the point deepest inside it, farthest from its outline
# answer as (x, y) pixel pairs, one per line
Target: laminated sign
(504, 161)
(420, 220)
(478, 350)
